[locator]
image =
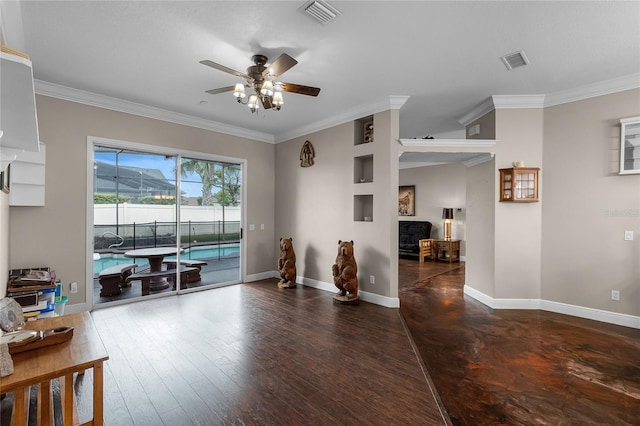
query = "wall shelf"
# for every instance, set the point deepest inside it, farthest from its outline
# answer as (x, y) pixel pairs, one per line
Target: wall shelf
(363, 169)
(363, 208)
(519, 185)
(27, 179)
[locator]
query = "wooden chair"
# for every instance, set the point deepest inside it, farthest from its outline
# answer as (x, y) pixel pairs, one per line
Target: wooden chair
(427, 249)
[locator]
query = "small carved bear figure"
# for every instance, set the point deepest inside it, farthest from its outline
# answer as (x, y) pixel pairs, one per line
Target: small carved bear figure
(345, 270)
(287, 263)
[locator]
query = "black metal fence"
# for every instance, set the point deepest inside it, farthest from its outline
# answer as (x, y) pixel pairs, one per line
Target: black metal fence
(109, 238)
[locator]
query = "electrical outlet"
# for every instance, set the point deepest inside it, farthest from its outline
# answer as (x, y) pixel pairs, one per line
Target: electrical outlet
(74, 287)
(372, 279)
(628, 235)
(615, 295)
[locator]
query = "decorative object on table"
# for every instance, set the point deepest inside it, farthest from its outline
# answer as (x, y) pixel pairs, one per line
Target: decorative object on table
(307, 155)
(407, 200)
(345, 275)
(447, 215)
(28, 340)
(11, 317)
(518, 164)
(368, 132)
(6, 363)
(267, 91)
(287, 263)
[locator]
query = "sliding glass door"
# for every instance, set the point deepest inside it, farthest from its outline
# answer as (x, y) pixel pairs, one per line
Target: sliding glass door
(210, 217)
(163, 219)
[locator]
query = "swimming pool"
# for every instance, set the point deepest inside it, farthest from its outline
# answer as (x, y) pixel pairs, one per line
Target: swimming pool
(107, 260)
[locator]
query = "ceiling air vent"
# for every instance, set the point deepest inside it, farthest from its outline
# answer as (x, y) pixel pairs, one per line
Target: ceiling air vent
(515, 60)
(321, 11)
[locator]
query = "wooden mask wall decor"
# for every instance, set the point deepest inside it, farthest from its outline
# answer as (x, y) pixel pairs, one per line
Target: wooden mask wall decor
(307, 155)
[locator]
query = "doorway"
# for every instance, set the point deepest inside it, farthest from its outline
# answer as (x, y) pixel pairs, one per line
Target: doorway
(163, 222)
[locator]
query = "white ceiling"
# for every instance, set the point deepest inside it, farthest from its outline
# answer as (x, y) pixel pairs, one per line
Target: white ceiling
(444, 55)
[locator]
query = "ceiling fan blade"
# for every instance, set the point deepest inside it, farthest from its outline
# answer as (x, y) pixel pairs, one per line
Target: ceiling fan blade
(282, 63)
(224, 69)
(302, 90)
(220, 90)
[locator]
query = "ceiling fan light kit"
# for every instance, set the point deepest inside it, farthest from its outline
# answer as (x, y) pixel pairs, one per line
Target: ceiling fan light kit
(268, 92)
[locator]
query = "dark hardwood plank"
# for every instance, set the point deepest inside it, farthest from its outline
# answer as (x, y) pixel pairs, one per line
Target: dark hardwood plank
(257, 354)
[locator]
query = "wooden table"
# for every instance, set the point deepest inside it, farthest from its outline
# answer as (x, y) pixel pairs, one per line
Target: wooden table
(155, 255)
(38, 367)
(448, 250)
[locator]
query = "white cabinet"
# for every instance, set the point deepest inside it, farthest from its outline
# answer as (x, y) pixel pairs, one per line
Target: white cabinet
(18, 121)
(27, 179)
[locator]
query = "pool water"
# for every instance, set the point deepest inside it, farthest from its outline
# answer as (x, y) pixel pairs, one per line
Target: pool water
(104, 261)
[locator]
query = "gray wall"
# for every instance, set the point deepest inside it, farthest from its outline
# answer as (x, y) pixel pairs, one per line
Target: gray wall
(480, 254)
(439, 186)
(587, 206)
(314, 205)
(518, 225)
(567, 249)
(55, 235)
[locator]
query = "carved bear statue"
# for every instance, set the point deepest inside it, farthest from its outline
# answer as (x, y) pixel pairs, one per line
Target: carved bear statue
(345, 272)
(287, 263)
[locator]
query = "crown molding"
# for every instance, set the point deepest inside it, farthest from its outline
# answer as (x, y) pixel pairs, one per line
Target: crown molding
(601, 88)
(479, 159)
(606, 87)
(480, 110)
(382, 104)
(518, 101)
(93, 99)
(448, 143)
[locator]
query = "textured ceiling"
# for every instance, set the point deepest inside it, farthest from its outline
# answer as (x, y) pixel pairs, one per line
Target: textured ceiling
(444, 55)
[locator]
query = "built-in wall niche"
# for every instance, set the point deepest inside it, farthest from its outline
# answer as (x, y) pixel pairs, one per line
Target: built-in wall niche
(363, 208)
(363, 169)
(363, 132)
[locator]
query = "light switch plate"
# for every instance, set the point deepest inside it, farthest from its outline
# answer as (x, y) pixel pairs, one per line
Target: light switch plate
(628, 235)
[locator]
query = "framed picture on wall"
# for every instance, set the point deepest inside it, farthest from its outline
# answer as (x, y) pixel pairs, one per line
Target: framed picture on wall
(407, 200)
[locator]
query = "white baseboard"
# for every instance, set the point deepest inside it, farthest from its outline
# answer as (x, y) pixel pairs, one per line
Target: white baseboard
(557, 307)
(376, 299)
(261, 276)
(75, 308)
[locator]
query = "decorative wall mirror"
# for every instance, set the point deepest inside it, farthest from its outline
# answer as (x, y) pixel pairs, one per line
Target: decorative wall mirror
(630, 146)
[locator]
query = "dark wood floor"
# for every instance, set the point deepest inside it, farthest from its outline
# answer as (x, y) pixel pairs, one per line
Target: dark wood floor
(253, 354)
(518, 367)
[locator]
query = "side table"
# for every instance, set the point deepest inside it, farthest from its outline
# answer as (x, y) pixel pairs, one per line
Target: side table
(448, 250)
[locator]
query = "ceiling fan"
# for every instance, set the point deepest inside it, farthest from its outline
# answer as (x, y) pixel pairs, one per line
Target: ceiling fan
(262, 79)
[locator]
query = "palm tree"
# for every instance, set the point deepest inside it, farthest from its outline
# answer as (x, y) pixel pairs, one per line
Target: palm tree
(206, 171)
(229, 179)
(214, 175)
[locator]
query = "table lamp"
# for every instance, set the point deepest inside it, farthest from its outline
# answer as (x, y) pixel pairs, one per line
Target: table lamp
(447, 215)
